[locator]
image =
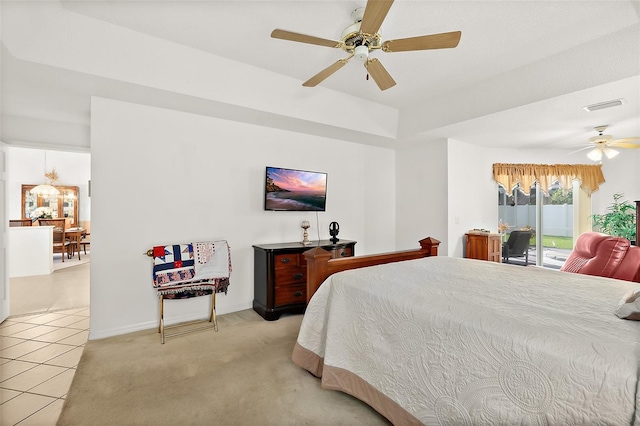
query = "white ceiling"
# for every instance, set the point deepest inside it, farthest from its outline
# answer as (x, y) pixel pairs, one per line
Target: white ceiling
(519, 76)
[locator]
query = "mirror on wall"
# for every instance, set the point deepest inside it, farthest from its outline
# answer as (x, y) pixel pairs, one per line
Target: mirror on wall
(63, 205)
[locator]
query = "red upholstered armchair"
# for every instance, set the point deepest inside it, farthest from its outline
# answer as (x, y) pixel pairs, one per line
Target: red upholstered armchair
(604, 256)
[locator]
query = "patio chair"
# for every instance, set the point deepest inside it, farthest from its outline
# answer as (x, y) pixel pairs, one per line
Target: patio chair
(517, 246)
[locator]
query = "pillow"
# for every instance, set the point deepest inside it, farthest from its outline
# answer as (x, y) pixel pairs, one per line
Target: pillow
(629, 306)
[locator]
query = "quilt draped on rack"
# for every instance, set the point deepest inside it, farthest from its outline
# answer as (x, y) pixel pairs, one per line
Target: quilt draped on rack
(188, 270)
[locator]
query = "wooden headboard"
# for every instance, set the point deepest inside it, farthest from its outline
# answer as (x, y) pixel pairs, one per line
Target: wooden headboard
(320, 265)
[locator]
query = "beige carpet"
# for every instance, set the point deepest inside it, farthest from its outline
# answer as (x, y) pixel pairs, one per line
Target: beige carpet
(241, 375)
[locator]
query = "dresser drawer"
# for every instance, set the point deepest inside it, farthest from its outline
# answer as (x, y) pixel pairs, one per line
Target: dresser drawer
(291, 294)
(342, 252)
(289, 260)
(288, 276)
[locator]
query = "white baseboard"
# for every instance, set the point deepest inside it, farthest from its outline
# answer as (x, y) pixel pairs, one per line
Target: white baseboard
(153, 324)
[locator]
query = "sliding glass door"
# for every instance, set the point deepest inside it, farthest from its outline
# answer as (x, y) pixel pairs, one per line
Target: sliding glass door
(549, 218)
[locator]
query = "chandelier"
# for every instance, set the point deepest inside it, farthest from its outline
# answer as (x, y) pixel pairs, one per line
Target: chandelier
(47, 189)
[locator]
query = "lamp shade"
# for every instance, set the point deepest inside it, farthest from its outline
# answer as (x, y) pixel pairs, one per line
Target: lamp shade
(44, 190)
(595, 154)
(610, 153)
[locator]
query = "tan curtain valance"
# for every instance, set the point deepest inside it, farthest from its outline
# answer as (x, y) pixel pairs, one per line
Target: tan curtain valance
(509, 175)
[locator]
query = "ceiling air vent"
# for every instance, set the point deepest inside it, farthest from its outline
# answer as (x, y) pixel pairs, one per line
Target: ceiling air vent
(603, 105)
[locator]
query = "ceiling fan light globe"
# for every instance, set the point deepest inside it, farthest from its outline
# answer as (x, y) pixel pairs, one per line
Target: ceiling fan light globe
(610, 153)
(361, 53)
(595, 155)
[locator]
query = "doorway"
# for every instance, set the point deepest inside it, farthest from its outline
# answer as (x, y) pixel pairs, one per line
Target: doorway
(63, 289)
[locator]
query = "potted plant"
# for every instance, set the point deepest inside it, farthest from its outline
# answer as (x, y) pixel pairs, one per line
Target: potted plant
(620, 220)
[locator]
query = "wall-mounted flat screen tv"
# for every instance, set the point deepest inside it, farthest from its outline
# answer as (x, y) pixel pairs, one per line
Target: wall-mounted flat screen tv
(295, 190)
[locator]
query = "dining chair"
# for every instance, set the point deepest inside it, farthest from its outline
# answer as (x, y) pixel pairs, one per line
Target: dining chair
(85, 241)
(74, 235)
(60, 242)
(20, 222)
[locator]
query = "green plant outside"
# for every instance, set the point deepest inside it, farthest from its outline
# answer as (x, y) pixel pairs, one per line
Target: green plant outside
(552, 241)
(560, 242)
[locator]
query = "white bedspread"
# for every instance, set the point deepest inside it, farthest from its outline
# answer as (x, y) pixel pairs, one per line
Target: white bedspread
(459, 342)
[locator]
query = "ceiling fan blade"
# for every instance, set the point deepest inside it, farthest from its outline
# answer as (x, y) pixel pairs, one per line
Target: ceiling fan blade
(625, 142)
(303, 38)
(625, 145)
(379, 74)
(374, 14)
(425, 42)
(322, 75)
(581, 149)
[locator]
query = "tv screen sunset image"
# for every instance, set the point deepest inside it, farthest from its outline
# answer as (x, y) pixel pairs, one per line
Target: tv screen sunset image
(295, 190)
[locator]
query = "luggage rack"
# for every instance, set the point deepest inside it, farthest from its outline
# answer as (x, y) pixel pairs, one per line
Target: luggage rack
(171, 275)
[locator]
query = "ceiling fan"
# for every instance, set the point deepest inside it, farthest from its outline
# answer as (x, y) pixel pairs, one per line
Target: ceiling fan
(604, 144)
(361, 38)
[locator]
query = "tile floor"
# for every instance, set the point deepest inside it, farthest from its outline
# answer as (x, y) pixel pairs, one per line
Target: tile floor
(38, 358)
(63, 289)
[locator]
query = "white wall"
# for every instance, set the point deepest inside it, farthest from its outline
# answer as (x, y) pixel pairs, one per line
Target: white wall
(421, 195)
(4, 237)
(447, 188)
(470, 182)
(4, 274)
(188, 177)
(26, 166)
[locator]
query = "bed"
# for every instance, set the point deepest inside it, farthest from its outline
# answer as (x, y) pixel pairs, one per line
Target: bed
(443, 340)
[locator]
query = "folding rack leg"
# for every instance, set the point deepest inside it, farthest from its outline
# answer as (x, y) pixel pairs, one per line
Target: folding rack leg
(161, 322)
(212, 316)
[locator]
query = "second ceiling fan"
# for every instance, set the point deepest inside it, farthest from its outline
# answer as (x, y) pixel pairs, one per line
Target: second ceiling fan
(604, 144)
(362, 37)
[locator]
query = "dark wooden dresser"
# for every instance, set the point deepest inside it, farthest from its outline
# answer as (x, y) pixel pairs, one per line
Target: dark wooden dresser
(280, 275)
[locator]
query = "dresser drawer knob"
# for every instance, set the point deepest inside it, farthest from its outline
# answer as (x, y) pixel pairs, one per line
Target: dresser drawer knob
(297, 276)
(297, 294)
(285, 260)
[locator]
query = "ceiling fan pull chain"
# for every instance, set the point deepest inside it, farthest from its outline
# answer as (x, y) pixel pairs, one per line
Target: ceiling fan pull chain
(367, 76)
